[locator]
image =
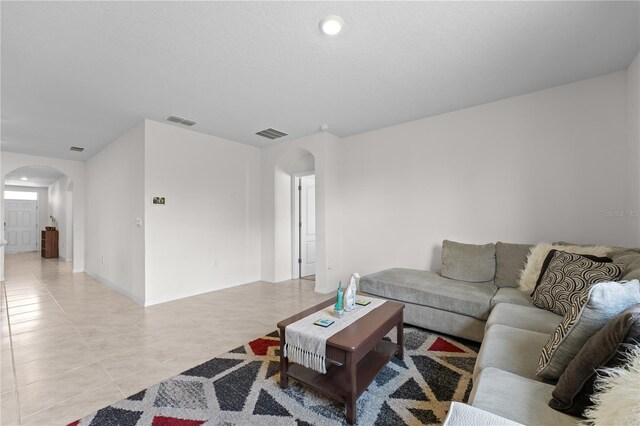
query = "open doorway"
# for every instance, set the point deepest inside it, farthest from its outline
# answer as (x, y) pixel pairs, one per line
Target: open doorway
(38, 212)
(291, 165)
(304, 226)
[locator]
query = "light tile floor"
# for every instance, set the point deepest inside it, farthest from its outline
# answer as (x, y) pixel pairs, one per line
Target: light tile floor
(71, 345)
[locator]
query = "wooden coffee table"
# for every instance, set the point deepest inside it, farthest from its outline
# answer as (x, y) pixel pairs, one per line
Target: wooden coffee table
(356, 354)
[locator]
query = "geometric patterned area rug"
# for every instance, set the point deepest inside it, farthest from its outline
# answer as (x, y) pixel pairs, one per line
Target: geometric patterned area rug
(241, 387)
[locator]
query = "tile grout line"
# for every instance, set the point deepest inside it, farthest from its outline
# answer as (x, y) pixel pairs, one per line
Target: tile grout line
(83, 341)
(268, 325)
(72, 323)
(69, 399)
(13, 358)
(98, 361)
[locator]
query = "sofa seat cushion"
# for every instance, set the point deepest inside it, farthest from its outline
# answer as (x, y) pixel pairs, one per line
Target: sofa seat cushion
(511, 349)
(524, 317)
(427, 288)
(511, 295)
(517, 398)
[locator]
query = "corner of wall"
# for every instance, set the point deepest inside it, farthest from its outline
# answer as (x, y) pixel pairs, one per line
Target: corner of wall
(633, 127)
(114, 191)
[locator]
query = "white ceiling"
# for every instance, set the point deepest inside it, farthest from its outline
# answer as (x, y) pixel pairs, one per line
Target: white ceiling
(38, 176)
(81, 73)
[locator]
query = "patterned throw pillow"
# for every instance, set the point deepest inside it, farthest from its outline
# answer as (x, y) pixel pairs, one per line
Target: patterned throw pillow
(567, 276)
(596, 305)
(538, 254)
(547, 260)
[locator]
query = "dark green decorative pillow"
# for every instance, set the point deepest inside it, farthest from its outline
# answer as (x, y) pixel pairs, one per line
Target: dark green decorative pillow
(567, 275)
(605, 349)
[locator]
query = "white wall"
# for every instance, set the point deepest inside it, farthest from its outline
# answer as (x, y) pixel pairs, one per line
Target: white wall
(10, 161)
(633, 114)
(207, 236)
(43, 216)
(544, 166)
(550, 165)
(58, 208)
(115, 198)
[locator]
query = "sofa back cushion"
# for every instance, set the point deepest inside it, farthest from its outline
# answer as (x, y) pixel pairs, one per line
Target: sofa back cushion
(630, 258)
(510, 260)
(468, 262)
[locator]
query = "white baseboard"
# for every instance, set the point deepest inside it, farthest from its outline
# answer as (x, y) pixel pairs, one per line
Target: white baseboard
(178, 296)
(116, 288)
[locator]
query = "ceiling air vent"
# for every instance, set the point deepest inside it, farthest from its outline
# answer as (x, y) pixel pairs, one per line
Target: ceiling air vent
(271, 133)
(181, 120)
(76, 148)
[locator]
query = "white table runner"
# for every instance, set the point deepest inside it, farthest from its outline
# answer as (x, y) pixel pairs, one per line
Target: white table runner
(306, 343)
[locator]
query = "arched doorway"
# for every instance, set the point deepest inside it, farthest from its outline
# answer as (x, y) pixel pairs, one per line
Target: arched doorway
(277, 164)
(290, 169)
(36, 198)
(10, 161)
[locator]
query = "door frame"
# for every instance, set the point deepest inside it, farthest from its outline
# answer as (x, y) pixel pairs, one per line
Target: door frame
(295, 239)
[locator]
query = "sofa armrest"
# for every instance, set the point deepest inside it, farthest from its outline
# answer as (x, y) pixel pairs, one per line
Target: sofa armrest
(465, 415)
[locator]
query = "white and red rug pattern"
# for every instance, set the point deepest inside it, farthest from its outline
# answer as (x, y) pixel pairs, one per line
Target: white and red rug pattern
(241, 388)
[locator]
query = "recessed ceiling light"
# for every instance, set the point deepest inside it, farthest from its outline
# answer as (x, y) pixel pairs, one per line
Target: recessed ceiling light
(24, 178)
(331, 25)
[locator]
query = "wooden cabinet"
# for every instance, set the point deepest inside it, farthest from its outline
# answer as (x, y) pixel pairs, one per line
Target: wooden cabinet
(49, 244)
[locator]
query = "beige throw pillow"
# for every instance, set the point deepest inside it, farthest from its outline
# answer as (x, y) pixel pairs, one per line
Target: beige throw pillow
(539, 252)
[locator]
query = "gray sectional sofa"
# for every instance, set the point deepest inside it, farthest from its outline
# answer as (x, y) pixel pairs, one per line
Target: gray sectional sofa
(499, 315)
(456, 307)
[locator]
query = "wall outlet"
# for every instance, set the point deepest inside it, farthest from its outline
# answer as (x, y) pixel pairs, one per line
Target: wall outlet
(139, 222)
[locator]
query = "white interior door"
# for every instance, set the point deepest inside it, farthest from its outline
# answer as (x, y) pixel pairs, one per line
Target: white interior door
(308, 226)
(21, 227)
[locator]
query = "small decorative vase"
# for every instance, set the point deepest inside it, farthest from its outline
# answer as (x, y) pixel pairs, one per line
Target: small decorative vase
(337, 309)
(338, 306)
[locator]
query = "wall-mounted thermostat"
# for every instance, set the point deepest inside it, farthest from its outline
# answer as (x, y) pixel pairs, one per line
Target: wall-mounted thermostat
(158, 200)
